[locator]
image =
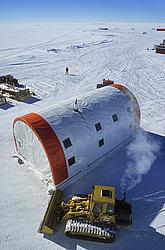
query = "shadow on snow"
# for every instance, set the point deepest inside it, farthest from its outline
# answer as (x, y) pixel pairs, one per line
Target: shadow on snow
(32, 100)
(6, 106)
(147, 199)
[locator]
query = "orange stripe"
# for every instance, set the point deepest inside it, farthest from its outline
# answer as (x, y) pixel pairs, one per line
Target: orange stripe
(50, 143)
(136, 107)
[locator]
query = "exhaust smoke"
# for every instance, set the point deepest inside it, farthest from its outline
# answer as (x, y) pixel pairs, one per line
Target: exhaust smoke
(141, 154)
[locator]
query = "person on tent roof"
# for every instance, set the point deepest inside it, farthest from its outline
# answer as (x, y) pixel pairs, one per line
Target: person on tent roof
(75, 107)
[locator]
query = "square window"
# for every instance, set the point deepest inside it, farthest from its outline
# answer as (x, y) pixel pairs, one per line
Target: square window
(71, 161)
(129, 109)
(67, 143)
(115, 118)
(107, 193)
(101, 142)
(98, 126)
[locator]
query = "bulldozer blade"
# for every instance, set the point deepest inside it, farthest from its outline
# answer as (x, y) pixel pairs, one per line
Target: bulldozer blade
(52, 214)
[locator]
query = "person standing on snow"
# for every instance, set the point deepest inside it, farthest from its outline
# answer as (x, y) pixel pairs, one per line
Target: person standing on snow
(66, 71)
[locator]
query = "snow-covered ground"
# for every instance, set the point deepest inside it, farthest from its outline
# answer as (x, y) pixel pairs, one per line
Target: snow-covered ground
(37, 55)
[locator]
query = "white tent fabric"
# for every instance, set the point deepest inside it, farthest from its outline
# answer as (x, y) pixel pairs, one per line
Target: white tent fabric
(104, 121)
(31, 150)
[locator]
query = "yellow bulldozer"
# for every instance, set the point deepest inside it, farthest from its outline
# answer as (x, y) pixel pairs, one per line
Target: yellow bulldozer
(93, 217)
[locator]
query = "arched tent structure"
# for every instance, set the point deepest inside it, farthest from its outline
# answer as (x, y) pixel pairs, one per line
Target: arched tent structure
(62, 143)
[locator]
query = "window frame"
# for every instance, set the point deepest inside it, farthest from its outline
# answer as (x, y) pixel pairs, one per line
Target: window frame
(114, 119)
(101, 142)
(70, 163)
(129, 110)
(106, 191)
(96, 126)
(67, 143)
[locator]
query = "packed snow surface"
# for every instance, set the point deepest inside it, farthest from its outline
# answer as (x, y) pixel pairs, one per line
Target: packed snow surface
(37, 55)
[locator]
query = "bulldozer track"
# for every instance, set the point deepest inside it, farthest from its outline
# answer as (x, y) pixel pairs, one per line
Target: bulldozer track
(84, 229)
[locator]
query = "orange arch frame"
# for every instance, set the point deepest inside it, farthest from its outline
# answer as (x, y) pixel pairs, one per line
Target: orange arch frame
(50, 144)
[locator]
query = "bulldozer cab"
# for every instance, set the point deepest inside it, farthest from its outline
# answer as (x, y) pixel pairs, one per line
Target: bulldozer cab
(103, 201)
(103, 194)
